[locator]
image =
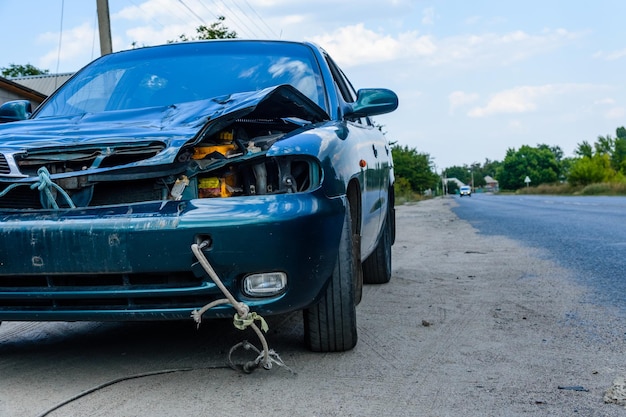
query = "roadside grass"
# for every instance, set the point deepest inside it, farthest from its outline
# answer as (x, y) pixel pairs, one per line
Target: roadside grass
(567, 189)
(410, 198)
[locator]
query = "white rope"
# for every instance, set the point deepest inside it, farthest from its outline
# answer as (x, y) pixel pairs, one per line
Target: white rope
(242, 319)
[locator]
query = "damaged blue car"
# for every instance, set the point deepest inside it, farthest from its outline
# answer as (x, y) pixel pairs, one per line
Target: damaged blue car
(258, 154)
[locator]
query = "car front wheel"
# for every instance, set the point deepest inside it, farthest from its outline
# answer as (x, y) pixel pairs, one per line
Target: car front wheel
(377, 266)
(330, 325)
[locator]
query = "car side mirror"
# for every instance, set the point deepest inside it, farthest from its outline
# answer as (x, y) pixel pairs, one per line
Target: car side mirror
(373, 101)
(13, 111)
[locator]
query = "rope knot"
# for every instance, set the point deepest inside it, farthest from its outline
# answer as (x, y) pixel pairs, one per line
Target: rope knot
(45, 186)
(44, 180)
(244, 322)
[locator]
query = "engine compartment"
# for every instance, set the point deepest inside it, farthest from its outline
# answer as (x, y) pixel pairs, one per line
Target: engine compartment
(228, 161)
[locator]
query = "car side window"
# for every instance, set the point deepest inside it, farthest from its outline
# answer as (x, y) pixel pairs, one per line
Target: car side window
(342, 83)
(344, 86)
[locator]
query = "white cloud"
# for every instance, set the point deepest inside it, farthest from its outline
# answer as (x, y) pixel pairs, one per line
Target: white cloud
(516, 125)
(616, 113)
(525, 99)
(472, 20)
(355, 45)
(611, 56)
(610, 108)
(460, 98)
(606, 100)
(490, 49)
(75, 42)
(152, 11)
(428, 16)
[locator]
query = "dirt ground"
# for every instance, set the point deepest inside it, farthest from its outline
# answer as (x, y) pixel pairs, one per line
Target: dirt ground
(469, 326)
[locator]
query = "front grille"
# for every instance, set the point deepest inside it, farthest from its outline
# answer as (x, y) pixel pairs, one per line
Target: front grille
(126, 192)
(105, 193)
(101, 292)
(4, 165)
(20, 198)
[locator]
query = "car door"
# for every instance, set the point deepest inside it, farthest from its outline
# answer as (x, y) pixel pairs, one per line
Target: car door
(374, 152)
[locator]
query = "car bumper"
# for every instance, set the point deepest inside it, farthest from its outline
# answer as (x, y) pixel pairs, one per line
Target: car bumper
(135, 262)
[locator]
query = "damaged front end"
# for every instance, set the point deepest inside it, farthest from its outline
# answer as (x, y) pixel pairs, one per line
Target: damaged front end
(225, 158)
(101, 229)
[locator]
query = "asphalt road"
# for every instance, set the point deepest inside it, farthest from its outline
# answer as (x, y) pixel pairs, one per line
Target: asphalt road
(586, 235)
(470, 325)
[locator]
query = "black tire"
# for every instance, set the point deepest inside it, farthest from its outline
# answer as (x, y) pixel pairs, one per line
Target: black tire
(358, 269)
(377, 266)
(330, 325)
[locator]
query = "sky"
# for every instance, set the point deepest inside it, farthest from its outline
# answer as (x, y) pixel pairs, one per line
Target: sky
(474, 78)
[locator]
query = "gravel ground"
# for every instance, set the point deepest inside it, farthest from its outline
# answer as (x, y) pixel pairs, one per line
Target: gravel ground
(469, 326)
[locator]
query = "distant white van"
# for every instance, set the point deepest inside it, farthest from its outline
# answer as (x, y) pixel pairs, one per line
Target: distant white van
(466, 190)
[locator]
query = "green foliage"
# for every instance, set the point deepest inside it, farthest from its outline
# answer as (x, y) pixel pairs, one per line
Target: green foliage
(587, 170)
(216, 30)
(540, 164)
(461, 173)
(551, 189)
(14, 70)
(603, 162)
(618, 156)
(584, 149)
(402, 190)
(595, 168)
(414, 167)
(613, 188)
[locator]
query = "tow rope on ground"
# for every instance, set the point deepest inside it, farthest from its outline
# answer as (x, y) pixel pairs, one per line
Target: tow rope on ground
(243, 319)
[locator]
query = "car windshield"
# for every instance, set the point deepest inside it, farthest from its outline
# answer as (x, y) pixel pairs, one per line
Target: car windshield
(184, 72)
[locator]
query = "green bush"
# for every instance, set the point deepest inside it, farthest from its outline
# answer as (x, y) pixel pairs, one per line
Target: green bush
(605, 189)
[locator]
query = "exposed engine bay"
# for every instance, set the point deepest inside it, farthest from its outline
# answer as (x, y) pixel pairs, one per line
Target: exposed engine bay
(231, 162)
(225, 158)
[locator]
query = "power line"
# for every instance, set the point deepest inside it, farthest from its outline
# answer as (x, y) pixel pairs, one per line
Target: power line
(250, 19)
(60, 41)
(151, 18)
(233, 15)
(260, 18)
(193, 13)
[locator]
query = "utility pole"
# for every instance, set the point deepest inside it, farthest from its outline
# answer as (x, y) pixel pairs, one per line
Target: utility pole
(104, 26)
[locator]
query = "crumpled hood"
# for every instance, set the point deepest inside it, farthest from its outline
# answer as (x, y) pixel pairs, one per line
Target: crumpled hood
(174, 125)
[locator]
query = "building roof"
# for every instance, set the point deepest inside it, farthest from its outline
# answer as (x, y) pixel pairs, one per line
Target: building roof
(21, 91)
(44, 83)
(490, 180)
(455, 180)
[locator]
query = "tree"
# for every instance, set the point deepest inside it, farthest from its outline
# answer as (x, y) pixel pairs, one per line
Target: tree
(452, 186)
(605, 161)
(590, 170)
(14, 70)
(539, 164)
(604, 145)
(415, 167)
(584, 149)
(216, 30)
(461, 173)
(618, 157)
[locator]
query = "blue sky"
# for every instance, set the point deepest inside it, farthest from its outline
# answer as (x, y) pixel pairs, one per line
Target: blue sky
(474, 78)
